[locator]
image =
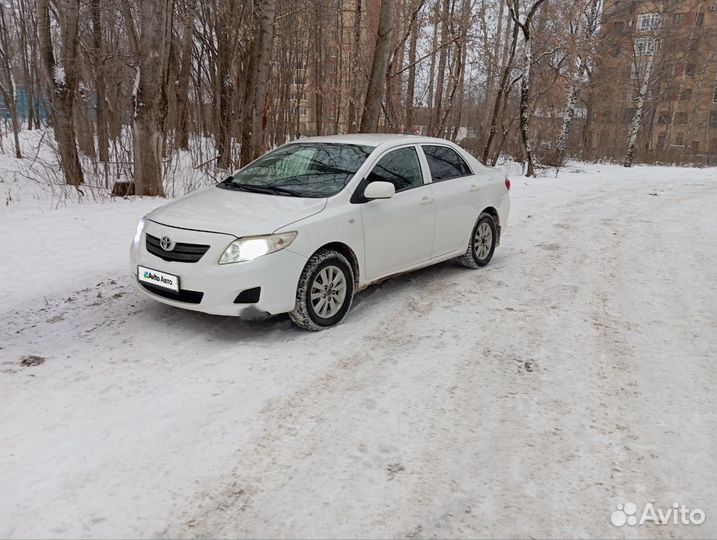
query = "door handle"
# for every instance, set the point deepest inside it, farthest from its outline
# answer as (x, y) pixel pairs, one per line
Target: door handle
(475, 188)
(425, 201)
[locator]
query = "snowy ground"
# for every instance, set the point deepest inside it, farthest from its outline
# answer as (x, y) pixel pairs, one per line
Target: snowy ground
(575, 373)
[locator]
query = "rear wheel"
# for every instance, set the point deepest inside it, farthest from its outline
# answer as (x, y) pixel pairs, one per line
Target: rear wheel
(325, 291)
(482, 243)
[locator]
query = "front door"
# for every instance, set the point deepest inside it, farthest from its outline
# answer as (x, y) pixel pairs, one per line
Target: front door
(398, 232)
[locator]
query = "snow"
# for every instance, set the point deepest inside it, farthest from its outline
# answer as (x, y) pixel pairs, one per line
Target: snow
(58, 75)
(574, 373)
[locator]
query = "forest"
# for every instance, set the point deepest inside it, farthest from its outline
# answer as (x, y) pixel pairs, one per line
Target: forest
(126, 86)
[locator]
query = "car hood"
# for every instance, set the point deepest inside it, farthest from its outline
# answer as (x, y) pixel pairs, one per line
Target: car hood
(235, 212)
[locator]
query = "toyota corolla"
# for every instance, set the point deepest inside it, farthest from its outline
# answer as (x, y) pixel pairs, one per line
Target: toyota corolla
(304, 227)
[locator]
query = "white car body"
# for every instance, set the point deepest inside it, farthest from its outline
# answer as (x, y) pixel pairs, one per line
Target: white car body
(412, 229)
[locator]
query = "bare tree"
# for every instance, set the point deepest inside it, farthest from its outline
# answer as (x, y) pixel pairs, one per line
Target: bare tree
(99, 69)
(586, 28)
(151, 45)
(525, 28)
(7, 81)
(252, 140)
(374, 94)
(502, 91)
(62, 78)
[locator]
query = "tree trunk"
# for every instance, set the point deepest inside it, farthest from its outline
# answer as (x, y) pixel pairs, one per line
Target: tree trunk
(501, 95)
(355, 80)
(224, 86)
(256, 82)
(185, 71)
(266, 38)
(62, 80)
(7, 82)
(525, 28)
(374, 93)
(568, 114)
(441, 71)
(525, 106)
(152, 47)
(411, 83)
(101, 106)
(637, 117)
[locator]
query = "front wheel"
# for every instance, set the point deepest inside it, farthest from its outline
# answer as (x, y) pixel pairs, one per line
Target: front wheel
(482, 243)
(325, 291)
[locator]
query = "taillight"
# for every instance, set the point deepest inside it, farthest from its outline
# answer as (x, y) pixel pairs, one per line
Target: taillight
(507, 184)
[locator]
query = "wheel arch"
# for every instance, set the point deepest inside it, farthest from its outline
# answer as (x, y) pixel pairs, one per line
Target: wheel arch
(491, 211)
(347, 252)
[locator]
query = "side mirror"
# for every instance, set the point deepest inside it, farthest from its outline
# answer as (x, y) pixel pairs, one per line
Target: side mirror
(379, 190)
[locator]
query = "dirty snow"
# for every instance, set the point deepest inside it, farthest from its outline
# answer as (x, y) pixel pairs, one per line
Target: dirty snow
(575, 373)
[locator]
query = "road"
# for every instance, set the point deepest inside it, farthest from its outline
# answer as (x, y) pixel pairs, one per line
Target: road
(576, 372)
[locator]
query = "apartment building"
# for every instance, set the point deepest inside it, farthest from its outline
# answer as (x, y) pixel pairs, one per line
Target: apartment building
(669, 49)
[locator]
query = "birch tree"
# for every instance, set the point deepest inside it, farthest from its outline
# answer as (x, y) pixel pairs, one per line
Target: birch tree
(642, 47)
(525, 29)
(639, 106)
(586, 29)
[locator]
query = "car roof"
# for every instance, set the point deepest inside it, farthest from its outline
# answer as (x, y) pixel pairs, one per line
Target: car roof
(372, 139)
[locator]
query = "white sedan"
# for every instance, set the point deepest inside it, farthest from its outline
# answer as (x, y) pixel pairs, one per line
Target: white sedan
(304, 227)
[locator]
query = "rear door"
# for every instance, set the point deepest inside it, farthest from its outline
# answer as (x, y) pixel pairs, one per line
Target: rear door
(398, 232)
(456, 191)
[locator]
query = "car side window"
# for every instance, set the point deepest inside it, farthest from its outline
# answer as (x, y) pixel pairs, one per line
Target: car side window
(400, 167)
(445, 163)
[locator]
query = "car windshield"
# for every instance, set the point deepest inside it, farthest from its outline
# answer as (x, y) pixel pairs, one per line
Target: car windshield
(301, 170)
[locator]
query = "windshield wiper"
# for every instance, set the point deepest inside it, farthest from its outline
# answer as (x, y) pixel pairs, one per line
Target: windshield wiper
(273, 190)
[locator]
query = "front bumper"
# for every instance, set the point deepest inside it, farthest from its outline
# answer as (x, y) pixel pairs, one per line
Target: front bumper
(209, 287)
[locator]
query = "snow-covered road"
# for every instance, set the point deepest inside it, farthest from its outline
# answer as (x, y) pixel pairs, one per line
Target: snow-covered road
(575, 373)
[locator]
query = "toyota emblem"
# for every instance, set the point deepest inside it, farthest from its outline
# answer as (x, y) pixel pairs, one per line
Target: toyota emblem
(166, 243)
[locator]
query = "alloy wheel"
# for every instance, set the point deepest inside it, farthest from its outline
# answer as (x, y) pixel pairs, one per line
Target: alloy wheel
(328, 291)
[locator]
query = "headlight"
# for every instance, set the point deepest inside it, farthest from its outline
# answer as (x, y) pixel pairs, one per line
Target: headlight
(138, 233)
(251, 247)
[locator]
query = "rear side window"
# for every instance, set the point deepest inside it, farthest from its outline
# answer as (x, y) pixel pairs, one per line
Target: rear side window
(400, 167)
(445, 163)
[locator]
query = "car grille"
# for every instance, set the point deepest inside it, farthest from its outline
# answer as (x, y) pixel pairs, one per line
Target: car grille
(189, 253)
(190, 297)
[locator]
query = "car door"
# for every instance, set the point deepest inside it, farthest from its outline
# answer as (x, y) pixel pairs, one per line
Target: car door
(456, 194)
(398, 232)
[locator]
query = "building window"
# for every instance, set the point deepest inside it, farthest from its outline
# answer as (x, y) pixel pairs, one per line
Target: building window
(699, 19)
(690, 70)
(714, 96)
(648, 21)
(678, 18)
(678, 140)
(681, 118)
(662, 118)
(713, 119)
(686, 94)
(645, 46)
(695, 147)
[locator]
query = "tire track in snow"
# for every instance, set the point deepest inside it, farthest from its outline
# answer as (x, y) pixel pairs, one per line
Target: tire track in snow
(499, 386)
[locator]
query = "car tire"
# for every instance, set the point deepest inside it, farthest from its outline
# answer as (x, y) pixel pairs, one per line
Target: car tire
(325, 291)
(482, 243)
